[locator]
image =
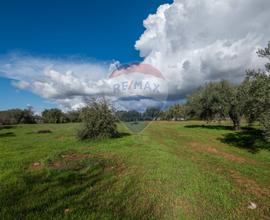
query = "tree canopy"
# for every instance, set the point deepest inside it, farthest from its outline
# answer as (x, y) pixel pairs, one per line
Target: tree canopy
(99, 121)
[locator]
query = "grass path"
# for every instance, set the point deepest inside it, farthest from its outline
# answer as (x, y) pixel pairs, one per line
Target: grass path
(170, 171)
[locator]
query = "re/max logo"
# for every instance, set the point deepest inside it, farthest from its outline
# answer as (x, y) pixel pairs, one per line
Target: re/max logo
(136, 85)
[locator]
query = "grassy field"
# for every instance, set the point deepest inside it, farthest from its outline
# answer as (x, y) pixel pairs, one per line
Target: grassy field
(172, 170)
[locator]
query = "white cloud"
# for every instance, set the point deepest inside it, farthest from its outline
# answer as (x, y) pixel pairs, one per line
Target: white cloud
(189, 41)
(71, 82)
(65, 81)
(193, 41)
(21, 84)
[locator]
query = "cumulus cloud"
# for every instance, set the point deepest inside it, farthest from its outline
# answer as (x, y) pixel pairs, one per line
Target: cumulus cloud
(193, 42)
(68, 82)
(189, 41)
(71, 83)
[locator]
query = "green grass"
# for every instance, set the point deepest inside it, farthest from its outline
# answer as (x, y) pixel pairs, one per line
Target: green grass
(136, 127)
(171, 170)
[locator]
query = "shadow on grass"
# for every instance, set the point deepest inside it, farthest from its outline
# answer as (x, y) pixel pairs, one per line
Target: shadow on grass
(90, 187)
(45, 131)
(7, 127)
(215, 127)
(122, 134)
(7, 134)
(248, 138)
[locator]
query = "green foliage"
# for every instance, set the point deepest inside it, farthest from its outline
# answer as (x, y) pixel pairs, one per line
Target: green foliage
(151, 113)
(236, 103)
(265, 53)
(265, 121)
(53, 115)
(216, 101)
(194, 107)
(256, 93)
(206, 102)
(221, 99)
(73, 116)
(17, 116)
(98, 120)
(128, 116)
(254, 89)
(176, 112)
(257, 96)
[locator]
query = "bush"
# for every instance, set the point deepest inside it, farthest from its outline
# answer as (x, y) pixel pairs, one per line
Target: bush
(98, 120)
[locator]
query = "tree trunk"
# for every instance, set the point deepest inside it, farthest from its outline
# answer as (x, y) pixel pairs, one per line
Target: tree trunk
(236, 125)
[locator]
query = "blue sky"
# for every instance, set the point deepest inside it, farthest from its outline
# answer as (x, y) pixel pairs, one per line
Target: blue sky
(64, 51)
(101, 30)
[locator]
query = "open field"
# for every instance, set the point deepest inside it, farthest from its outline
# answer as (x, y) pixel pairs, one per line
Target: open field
(172, 170)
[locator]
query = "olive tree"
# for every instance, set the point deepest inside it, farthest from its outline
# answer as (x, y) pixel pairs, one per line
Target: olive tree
(99, 121)
(256, 89)
(53, 115)
(216, 101)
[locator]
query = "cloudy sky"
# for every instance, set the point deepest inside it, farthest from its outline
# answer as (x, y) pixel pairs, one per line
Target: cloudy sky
(61, 54)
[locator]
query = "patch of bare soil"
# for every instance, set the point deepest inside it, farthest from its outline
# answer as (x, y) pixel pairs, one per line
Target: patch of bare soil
(249, 185)
(35, 166)
(64, 158)
(212, 150)
(75, 156)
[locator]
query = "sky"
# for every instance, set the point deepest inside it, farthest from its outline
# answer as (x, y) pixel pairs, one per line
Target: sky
(58, 53)
(102, 31)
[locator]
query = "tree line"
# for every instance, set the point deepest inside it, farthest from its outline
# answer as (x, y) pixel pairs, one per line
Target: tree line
(151, 113)
(27, 116)
(213, 101)
(17, 116)
(223, 100)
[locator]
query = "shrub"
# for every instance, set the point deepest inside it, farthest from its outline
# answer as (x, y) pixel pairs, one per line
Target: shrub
(98, 120)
